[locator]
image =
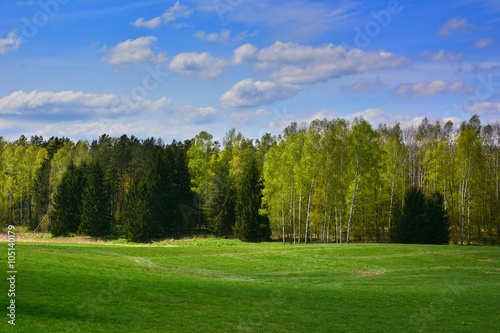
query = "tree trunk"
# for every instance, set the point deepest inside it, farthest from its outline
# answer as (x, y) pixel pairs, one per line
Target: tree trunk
(341, 197)
(352, 207)
(463, 213)
(468, 219)
(283, 210)
(328, 228)
(293, 209)
(309, 208)
(300, 207)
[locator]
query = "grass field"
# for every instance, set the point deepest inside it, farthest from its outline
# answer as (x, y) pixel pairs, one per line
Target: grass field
(215, 285)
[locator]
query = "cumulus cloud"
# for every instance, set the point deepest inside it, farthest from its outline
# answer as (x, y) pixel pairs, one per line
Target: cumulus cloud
(10, 43)
(379, 116)
(456, 25)
(214, 37)
(203, 65)
(132, 52)
(365, 86)
(193, 114)
(249, 93)
(347, 64)
(292, 63)
(483, 43)
(224, 36)
(244, 53)
(444, 56)
(485, 108)
(246, 116)
(75, 103)
(306, 64)
(427, 89)
(82, 115)
(173, 13)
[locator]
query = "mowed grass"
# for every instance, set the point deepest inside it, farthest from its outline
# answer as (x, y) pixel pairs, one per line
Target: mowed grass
(212, 285)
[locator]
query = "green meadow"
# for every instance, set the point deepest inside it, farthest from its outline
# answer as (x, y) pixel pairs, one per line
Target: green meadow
(218, 285)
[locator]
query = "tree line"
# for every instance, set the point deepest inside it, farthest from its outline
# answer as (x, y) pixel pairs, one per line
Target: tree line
(329, 181)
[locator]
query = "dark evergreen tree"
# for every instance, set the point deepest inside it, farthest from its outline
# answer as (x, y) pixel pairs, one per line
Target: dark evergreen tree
(395, 233)
(439, 226)
(183, 198)
(150, 202)
(41, 194)
(221, 206)
(95, 209)
(159, 196)
(136, 213)
(414, 218)
(65, 215)
(423, 220)
(250, 225)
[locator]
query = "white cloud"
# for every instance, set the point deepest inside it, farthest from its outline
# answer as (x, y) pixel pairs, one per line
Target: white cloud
(150, 24)
(249, 93)
(81, 115)
(365, 86)
(427, 89)
(485, 108)
(75, 103)
(193, 114)
(132, 52)
(224, 36)
(202, 65)
(244, 53)
(456, 25)
(10, 43)
(378, 116)
(293, 63)
(306, 64)
(444, 56)
(25, 3)
(483, 43)
(246, 116)
(173, 13)
(214, 37)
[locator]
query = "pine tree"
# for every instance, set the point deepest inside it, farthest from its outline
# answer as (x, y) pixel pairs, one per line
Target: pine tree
(136, 213)
(66, 216)
(222, 205)
(423, 219)
(250, 225)
(95, 209)
(41, 194)
(438, 231)
(159, 196)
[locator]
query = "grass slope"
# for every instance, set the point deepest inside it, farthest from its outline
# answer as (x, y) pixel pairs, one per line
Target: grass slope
(228, 286)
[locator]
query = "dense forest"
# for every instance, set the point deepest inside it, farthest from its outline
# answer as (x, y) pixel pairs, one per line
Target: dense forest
(329, 181)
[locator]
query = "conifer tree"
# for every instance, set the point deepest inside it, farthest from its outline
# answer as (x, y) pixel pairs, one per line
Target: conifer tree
(65, 216)
(250, 225)
(159, 196)
(438, 230)
(136, 213)
(95, 209)
(41, 194)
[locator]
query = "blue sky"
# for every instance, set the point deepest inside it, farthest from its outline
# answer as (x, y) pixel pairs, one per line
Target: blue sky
(169, 69)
